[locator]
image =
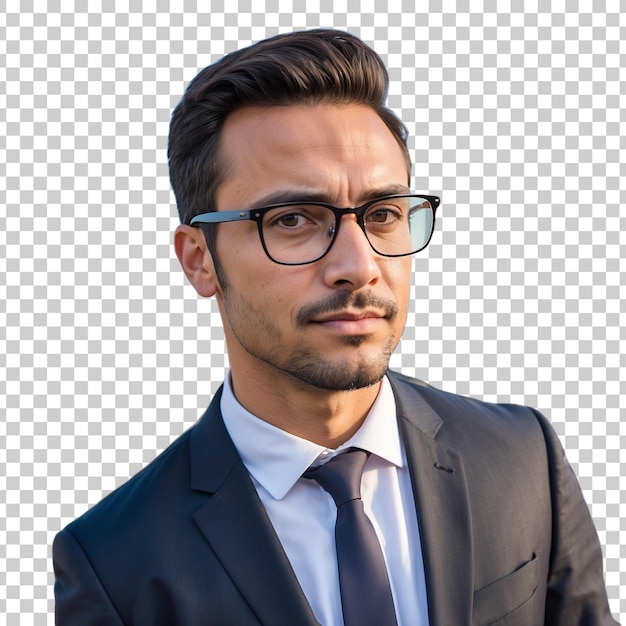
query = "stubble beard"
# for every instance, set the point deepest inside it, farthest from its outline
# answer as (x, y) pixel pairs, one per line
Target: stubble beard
(314, 370)
(305, 364)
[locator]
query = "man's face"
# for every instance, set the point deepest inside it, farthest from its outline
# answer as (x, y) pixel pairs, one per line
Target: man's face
(334, 323)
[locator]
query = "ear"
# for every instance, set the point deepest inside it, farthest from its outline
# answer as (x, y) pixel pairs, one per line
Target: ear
(196, 260)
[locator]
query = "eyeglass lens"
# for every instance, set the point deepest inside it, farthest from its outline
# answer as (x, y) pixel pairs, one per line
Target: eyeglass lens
(302, 233)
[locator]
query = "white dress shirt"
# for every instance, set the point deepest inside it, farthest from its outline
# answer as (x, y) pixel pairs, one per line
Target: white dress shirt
(303, 514)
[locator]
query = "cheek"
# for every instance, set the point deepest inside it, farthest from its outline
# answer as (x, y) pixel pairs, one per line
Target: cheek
(398, 277)
(399, 283)
(268, 288)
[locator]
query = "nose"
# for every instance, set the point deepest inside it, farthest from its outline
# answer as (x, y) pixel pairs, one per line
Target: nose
(351, 262)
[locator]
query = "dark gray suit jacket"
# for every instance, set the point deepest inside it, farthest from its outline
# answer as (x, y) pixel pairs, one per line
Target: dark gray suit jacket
(506, 535)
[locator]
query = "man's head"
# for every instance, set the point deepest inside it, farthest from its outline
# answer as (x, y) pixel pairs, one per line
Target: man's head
(297, 119)
(309, 67)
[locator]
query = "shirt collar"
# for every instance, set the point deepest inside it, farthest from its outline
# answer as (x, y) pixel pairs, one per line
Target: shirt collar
(276, 459)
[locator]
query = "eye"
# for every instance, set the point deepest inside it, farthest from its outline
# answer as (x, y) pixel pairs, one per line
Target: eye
(301, 218)
(381, 216)
(290, 220)
(384, 215)
(295, 221)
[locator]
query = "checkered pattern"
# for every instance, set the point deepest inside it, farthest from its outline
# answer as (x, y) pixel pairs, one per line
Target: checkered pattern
(106, 354)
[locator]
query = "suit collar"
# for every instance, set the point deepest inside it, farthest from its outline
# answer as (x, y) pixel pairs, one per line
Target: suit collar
(412, 406)
(236, 526)
(213, 455)
(442, 503)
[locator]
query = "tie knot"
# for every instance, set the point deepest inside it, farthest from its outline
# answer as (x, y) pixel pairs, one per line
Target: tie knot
(341, 476)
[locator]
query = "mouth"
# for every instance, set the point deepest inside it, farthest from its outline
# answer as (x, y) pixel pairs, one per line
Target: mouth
(348, 316)
(347, 312)
(351, 323)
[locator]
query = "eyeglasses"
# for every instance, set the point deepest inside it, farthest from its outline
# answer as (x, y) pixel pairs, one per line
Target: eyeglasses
(298, 233)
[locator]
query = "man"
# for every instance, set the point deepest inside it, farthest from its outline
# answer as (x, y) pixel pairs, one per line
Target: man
(476, 516)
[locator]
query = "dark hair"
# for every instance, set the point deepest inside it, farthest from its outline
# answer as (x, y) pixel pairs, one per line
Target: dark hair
(307, 67)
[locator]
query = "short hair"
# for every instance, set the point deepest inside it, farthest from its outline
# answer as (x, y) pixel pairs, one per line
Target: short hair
(321, 66)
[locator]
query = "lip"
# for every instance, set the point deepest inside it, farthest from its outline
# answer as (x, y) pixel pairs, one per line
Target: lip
(348, 323)
(348, 316)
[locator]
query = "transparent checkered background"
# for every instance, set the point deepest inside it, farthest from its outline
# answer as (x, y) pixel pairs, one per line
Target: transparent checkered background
(106, 354)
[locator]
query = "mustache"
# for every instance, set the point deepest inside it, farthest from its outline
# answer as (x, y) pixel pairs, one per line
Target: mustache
(343, 299)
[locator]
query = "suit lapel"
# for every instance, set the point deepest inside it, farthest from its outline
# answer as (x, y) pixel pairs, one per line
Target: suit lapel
(236, 525)
(443, 510)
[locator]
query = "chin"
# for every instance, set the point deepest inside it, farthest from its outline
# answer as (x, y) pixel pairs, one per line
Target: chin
(329, 375)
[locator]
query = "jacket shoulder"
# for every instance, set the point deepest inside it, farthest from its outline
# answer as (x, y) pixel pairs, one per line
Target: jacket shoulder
(157, 477)
(451, 408)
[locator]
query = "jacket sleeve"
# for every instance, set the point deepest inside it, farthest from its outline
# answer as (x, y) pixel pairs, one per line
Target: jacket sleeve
(576, 587)
(81, 600)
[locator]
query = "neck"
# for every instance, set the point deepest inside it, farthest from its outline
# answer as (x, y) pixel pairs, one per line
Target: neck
(327, 418)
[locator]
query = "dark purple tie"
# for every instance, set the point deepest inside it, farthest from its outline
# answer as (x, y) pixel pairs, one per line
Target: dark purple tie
(365, 591)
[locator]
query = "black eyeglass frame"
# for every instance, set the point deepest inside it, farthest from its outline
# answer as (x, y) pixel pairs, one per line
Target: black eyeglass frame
(256, 215)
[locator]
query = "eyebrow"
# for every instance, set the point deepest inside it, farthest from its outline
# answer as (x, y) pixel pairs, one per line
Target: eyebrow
(293, 195)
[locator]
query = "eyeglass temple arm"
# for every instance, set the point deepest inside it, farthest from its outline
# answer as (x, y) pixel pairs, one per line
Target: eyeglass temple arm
(220, 216)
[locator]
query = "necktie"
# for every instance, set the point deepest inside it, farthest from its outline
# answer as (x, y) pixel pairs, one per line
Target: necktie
(365, 591)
